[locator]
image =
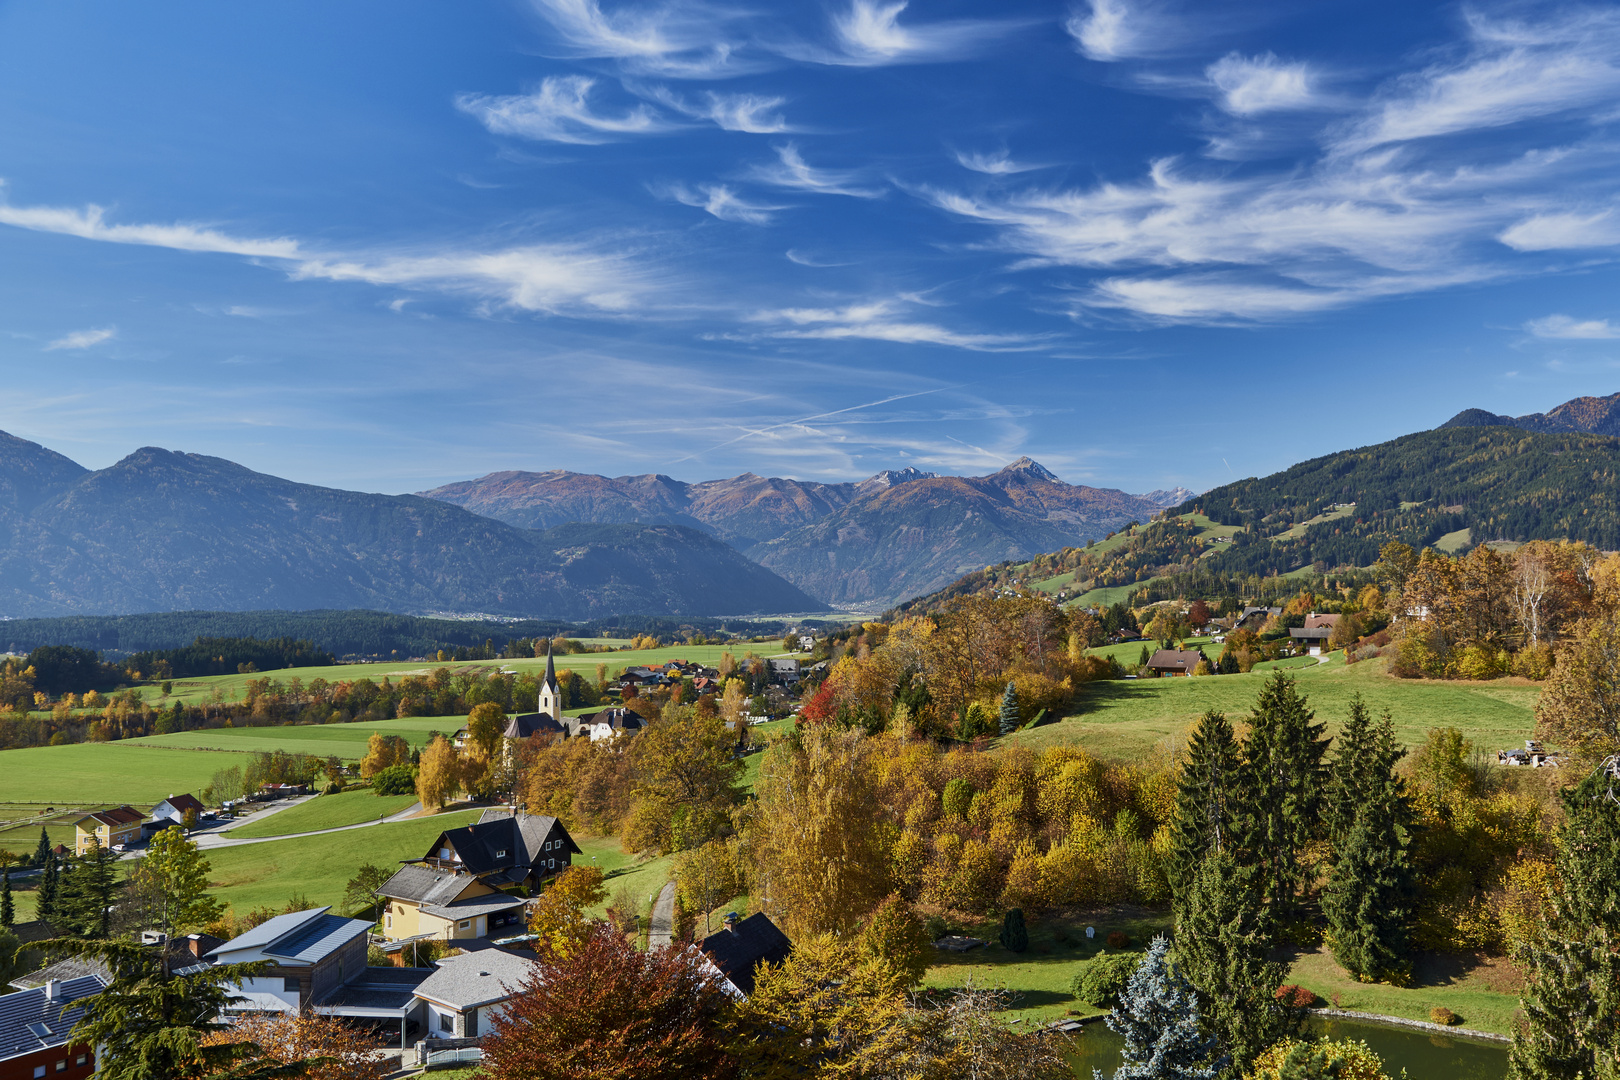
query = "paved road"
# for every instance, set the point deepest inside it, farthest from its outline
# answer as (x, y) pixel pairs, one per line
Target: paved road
(661, 931)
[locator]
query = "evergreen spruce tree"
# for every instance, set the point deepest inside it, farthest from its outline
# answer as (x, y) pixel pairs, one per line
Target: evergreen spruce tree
(8, 907)
(49, 885)
(1364, 760)
(1205, 798)
(1572, 997)
(1158, 1016)
(1369, 896)
(1224, 933)
(1009, 710)
(85, 899)
(1283, 767)
(42, 850)
(1014, 934)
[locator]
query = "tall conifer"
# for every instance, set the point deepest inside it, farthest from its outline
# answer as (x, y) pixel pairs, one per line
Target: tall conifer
(1369, 895)
(1009, 710)
(49, 885)
(1283, 767)
(1158, 1017)
(8, 907)
(42, 850)
(1206, 798)
(1572, 997)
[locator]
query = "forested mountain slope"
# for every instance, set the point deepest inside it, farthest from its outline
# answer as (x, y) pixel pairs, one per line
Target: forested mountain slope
(165, 531)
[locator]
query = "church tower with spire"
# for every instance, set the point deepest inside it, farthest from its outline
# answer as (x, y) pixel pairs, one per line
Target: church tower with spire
(551, 690)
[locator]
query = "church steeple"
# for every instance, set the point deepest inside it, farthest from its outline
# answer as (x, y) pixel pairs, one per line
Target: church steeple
(550, 689)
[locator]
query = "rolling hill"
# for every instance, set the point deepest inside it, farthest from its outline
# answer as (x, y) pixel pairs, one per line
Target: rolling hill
(1595, 415)
(166, 531)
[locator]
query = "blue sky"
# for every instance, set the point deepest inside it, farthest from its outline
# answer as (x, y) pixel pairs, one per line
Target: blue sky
(387, 245)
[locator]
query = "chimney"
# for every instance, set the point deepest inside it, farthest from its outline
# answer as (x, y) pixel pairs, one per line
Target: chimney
(732, 919)
(53, 989)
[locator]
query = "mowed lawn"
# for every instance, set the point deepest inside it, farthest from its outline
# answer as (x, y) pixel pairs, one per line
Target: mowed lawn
(319, 867)
(1125, 718)
(347, 741)
(326, 812)
(116, 772)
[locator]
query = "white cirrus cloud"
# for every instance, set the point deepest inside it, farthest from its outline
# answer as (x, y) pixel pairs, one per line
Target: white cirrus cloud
(793, 172)
(1107, 30)
(998, 163)
(82, 339)
(884, 320)
(559, 111)
(90, 224)
(724, 203)
(1510, 71)
(1250, 85)
(869, 34)
(1565, 328)
(1562, 230)
(754, 114)
(673, 39)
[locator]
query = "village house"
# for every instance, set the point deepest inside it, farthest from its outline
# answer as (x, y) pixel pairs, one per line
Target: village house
(785, 670)
(737, 951)
(466, 994)
(318, 964)
(1253, 618)
(1175, 661)
(1315, 633)
(459, 888)
(113, 828)
(175, 807)
(34, 1028)
(605, 723)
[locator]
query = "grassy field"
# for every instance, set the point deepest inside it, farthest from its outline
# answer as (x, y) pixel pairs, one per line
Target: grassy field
(121, 772)
(1127, 718)
(347, 741)
(1483, 993)
(20, 824)
(326, 812)
(255, 875)
(623, 871)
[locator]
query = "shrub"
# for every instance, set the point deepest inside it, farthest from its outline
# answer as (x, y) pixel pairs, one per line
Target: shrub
(1118, 939)
(1296, 997)
(1014, 934)
(936, 927)
(1345, 1059)
(1102, 980)
(1443, 1016)
(1534, 662)
(394, 780)
(957, 798)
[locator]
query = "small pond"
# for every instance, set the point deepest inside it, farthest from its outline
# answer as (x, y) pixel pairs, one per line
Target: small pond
(1424, 1055)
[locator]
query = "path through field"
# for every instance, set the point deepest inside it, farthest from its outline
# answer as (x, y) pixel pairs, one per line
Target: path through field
(218, 838)
(661, 931)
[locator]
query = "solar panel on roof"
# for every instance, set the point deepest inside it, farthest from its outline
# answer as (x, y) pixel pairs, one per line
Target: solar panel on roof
(40, 1031)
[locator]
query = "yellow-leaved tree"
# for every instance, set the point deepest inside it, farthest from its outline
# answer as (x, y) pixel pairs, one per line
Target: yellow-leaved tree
(438, 778)
(560, 918)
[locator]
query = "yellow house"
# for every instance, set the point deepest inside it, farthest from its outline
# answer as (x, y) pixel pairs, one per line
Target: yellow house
(120, 825)
(427, 901)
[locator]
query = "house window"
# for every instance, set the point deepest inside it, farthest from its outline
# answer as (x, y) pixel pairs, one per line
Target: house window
(290, 985)
(39, 1070)
(500, 854)
(80, 1060)
(463, 924)
(61, 1066)
(447, 1022)
(388, 920)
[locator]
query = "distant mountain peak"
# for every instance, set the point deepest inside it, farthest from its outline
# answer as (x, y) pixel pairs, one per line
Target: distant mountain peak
(1598, 415)
(890, 477)
(1168, 497)
(1028, 466)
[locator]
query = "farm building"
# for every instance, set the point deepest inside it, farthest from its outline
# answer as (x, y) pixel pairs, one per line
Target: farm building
(1175, 661)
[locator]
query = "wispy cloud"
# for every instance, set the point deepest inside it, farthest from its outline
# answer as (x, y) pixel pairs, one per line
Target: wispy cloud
(674, 39)
(724, 203)
(1563, 231)
(559, 111)
(791, 171)
(870, 34)
(1566, 328)
(1107, 30)
(90, 224)
(1511, 71)
(998, 163)
(1261, 84)
(82, 339)
(884, 320)
(754, 114)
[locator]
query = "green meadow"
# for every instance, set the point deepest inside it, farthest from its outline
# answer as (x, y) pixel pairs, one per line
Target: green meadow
(326, 812)
(106, 773)
(1126, 718)
(347, 741)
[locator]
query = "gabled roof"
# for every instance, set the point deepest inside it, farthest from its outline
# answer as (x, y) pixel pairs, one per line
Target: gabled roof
(739, 950)
(473, 906)
(521, 837)
(119, 817)
(63, 971)
(31, 1021)
(301, 937)
(476, 978)
(425, 885)
(1314, 621)
(183, 803)
(1175, 660)
(536, 723)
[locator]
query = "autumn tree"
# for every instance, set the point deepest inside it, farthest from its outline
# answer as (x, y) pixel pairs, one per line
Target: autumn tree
(382, 751)
(607, 1011)
(1580, 707)
(439, 777)
(819, 862)
(895, 936)
(686, 783)
(170, 885)
(318, 1047)
(707, 876)
(560, 918)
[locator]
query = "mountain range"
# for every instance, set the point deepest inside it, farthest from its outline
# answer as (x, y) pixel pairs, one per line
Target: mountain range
(166, 531)
(889, 537)
(1597, 415)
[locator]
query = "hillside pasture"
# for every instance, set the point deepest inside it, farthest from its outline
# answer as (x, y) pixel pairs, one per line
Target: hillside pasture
(326, 812)
(347, 741)
(1127, 718)
(111, 773)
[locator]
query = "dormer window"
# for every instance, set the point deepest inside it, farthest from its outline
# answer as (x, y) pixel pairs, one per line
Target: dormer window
(500, 854)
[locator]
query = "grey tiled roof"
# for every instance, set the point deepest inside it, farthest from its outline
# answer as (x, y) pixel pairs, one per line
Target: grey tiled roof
(63, 971)
(24, 1007)
(473, 906)
(476, 978)
(425, 884)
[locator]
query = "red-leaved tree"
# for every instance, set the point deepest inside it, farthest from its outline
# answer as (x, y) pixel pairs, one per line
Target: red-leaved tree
(607, 1011)
(822, 705)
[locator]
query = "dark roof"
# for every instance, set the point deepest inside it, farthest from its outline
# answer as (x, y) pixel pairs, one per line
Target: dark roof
(1311, 633)
(33, 930)
(473, 906)
(522, 837)
(1175, 660)
(185, 802)
(737, 951)
(30, 1021)
(377, 988)
(425, 884)
(535, 723)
